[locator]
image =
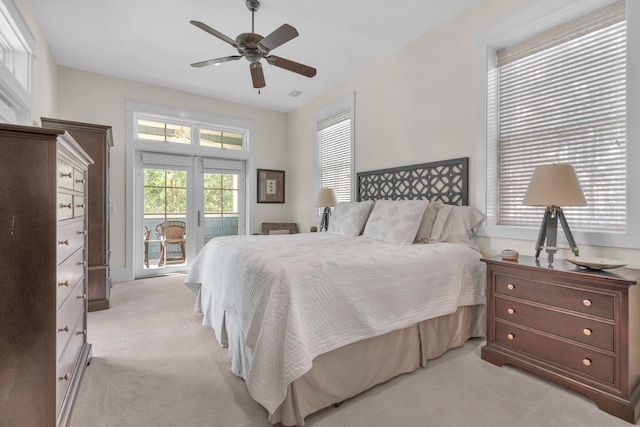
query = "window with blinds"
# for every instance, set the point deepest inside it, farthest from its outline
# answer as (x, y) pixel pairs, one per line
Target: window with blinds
(561, 98)
(335, 157)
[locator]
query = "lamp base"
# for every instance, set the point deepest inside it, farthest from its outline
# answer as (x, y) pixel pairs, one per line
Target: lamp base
(324, 222)
(549, 231)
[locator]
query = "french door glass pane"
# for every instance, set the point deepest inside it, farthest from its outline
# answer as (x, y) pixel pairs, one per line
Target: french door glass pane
(220, 205)
(165, 218)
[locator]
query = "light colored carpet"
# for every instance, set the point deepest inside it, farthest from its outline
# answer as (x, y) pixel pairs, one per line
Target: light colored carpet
(154, 364)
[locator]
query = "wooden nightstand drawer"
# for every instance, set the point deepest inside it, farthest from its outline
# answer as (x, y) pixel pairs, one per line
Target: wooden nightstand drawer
(582, 301)
(565, 355)
(577, 328)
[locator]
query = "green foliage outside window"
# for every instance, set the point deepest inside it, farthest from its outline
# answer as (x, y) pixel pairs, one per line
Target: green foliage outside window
(165, 192)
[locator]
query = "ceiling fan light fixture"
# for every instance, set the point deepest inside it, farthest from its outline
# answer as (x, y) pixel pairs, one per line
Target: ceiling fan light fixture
(253, 47)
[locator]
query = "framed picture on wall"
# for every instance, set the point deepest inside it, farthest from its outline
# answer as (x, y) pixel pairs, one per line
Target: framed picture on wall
(270, 186)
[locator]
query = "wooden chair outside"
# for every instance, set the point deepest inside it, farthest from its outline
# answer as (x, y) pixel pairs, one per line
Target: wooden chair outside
(172, 233)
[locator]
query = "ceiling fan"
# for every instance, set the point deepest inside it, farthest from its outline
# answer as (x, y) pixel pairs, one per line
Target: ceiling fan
(254, 47)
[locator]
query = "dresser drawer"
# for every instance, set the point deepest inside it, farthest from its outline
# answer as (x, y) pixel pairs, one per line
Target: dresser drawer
(72, 309)
(65, 206)
(70, 239)
(65, 175)
(79, 180)
(582, 301)
(79, 206)
(70, 272)
(574, 358)
(588, 331)
(68, 360)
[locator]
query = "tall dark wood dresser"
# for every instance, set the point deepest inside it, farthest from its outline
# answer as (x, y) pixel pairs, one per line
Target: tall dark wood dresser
(43, 268)
(579, 328)
(96, 140)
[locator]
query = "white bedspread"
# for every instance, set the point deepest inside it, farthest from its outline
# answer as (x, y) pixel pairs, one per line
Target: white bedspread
(295, 297)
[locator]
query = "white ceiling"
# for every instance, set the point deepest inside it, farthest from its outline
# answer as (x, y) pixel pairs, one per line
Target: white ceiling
(152, 41)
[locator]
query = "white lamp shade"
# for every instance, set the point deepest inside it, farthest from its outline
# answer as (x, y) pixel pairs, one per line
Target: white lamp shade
(326, 198)
(554, 185)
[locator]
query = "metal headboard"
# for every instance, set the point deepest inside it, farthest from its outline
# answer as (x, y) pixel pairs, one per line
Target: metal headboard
(445, 180)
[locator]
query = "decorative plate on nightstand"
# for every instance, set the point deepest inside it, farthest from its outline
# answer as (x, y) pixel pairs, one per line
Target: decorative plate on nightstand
(596, 263)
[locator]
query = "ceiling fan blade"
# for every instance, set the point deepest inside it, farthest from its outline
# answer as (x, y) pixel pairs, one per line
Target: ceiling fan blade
(216, 61)
(216, 33)
(291, 66)
(257, 75)
(280, 36)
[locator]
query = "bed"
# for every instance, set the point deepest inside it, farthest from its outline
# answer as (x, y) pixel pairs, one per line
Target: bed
(312, 319)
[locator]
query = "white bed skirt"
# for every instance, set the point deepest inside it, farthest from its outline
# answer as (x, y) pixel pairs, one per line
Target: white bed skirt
(352, 369)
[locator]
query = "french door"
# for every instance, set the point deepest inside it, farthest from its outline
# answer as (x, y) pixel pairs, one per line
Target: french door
(183, 202)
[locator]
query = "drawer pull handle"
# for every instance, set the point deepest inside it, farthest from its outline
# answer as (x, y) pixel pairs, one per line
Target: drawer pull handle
(586, 362)
(82, 332)
(587, 331)
(587, 302)
(84, 232)
(511, 286)
(65, 175)
(67, 206)
(510, 336)
(82, 263)
(511, 311)
(65, 283)
(83, 296)
(65, 329)
(80, 181)
(65, 378)
(81, 205)
(63, 242)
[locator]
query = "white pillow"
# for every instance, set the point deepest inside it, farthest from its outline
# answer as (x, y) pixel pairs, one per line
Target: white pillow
(457, 224)
(426, 224)
(395, 221)
(348, 218)
(272, 232)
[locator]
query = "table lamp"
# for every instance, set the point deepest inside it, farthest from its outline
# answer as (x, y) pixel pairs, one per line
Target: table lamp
(327, 200)
(554, 186)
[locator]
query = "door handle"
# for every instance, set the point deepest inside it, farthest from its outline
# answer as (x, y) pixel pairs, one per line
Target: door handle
(199, 219)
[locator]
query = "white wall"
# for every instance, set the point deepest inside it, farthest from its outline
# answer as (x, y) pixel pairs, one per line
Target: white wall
(415, 106)
(95, 98)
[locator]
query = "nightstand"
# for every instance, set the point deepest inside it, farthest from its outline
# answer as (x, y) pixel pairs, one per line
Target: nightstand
(576, 327)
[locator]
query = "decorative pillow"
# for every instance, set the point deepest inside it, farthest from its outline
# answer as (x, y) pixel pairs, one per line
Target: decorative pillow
(457, 224)
(395, 221)
(272, 232)
(348, 218)
(426, 224)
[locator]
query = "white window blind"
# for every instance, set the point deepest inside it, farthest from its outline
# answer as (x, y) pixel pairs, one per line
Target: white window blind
(562, 99)
(212, 165)
(334, 137)
(162, 161)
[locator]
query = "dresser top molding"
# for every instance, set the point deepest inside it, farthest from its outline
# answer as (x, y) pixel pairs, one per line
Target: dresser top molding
(616, 277)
